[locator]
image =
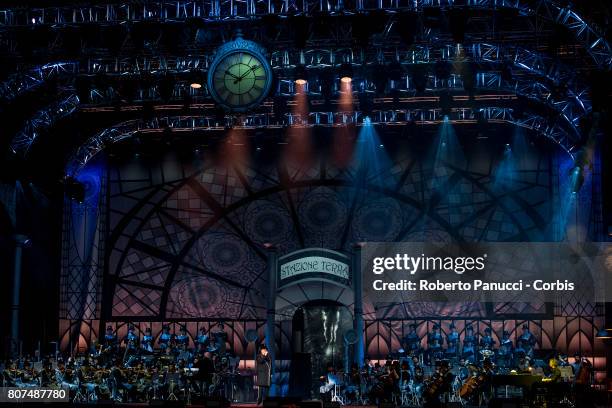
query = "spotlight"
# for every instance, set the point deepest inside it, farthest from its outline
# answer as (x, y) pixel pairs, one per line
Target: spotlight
(576, 179)
(300, 75)
(346, 73)
(196, 79)
(603, 334)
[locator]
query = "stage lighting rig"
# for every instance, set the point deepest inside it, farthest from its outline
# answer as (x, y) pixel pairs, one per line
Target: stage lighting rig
(346, 72)
(300, 75)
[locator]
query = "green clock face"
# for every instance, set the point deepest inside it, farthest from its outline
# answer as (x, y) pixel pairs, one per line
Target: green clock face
(240, 80)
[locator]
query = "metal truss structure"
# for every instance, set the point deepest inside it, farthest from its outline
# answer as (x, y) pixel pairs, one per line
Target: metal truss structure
(42, 121)
(19, 83)
(512, 69)
(394, 117)
(534, 76)
(224, 10)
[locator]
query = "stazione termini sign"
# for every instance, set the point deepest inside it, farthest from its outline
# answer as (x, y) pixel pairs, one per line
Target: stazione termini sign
(314, 263)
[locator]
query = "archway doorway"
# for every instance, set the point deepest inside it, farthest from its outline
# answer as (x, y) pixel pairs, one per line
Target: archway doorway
(325, 323)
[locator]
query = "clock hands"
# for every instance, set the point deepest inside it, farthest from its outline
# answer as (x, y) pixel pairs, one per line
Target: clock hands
(241, 77)
(230, 74)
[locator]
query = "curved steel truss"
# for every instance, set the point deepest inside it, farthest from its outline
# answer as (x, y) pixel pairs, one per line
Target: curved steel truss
(534, 76)
(431, 116)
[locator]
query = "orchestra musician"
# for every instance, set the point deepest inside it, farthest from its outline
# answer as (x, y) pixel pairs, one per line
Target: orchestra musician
(527, 341)
(182, 338)
(555, 373)
(130, 342)
(110, 341)
(220, 337)
(487, 342)
(412, 341)
(168, 374)
(434, 344)
(505, 352)
(469, 345)
(202, 339)
(452, 342)
(576, 364)
(184, 355)
(146, 344)
(166, 339)
(263, 369)
(204, 376)
(438, 386)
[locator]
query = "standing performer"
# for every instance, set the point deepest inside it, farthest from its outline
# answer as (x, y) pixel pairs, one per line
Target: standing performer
(487, 342)
(452, 342)
(434, 344)
(527, 341)
(504, 354)
(220, 337)
(204, 376)
(469, 345)
(166, 339)
(131, 339)
(412, 341)
(182, 338)
(202, 340)
(263, 368)
(147, 341)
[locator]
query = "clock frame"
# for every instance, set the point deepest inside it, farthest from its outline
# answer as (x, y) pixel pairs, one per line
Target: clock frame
(240, 76)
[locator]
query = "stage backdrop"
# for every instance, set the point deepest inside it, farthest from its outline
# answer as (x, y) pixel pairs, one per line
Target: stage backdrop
(181, 240)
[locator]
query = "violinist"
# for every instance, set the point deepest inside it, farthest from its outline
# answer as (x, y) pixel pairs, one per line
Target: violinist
(434, 344)
(506, 348)
(527, 341)
(487, 342)
(452, 342)
(182, 338)
(110, 342)
(120, 383)
(202, 340)
(147, 342)
(184, 355)
(469, 345)
(166, 339)
(412, 341)
(131, 345)
(47, 375)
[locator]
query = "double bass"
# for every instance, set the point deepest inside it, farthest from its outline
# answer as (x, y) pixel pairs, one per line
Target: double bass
(584, 373)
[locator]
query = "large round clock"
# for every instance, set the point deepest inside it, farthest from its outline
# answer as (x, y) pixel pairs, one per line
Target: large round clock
(240, 76)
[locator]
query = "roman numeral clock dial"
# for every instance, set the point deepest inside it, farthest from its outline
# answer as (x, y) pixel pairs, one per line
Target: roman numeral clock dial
(240, 76)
